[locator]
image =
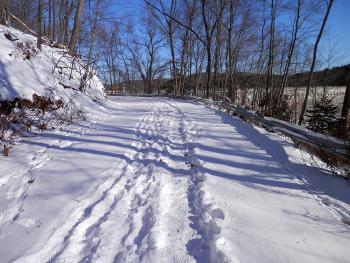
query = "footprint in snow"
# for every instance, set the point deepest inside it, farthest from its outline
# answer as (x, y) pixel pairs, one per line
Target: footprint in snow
(65, 144)
(29, 222)
(217, 213)
(55, 142)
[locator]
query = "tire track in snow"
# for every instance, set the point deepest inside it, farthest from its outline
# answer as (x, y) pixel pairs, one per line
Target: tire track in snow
(63, 236)
(82, 240)
(79, 239)
(58, 246)
(123, 220)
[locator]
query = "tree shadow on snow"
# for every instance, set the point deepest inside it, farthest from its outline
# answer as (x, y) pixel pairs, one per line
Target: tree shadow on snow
(5, 84)
(286, 169)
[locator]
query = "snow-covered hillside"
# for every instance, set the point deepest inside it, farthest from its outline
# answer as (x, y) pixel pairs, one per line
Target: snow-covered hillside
(160, 180)
(25, 71)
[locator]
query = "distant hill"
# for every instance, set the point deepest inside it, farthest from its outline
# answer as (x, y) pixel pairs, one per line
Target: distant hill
(337, 76)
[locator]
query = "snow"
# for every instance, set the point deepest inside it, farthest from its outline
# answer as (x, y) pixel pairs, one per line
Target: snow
(165, 180)
(308, 133)
(156, 180)
(21, 77)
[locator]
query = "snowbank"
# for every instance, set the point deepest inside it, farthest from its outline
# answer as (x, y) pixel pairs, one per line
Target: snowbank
(24, 71)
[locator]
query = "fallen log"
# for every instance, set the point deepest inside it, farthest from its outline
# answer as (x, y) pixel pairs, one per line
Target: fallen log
(44, 39)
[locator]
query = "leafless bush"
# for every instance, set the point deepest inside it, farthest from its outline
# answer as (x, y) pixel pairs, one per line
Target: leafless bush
(73, 65)
(69, 112)
(21, 116)
(11, 127)
(26, 49)
(338, 165)
(5, 122)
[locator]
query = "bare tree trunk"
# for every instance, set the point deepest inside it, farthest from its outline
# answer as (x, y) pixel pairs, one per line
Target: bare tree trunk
(269, 73)
(229, 51)
(208, 47)
(5, 17)
(50, 20)
(76, 27)
(92, 41)
(303, 109)
(66, 23)
(170, 33)
(345, 109)
(40, 15)
(209, 31)
(54, 20)
(61, 22)
(258, 88)
(217, 58)
(290, 52)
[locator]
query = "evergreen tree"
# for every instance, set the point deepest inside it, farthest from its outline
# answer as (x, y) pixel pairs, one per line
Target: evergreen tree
(322, 114)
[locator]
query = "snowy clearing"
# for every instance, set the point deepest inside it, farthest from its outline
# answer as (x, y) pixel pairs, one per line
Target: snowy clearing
(160, 180)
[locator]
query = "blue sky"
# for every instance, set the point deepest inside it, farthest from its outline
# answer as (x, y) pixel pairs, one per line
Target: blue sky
(337, 31)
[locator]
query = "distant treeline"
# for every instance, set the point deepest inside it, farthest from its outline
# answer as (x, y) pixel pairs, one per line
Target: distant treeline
(337, 76)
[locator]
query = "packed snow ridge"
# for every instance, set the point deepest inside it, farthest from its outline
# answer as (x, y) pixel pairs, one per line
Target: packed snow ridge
(159, 180)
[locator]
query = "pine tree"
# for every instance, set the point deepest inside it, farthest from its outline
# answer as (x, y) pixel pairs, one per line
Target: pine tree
(322, 114)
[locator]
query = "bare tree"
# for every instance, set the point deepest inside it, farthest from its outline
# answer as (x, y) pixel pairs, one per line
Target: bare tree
(314, 56)
(169, 30)
(295, 31)
(209, 29)
(76, 26)
(270, 62)
(144, 52)
(345, 109)
(4, 9)
(40, 21)
(233, 8)
(49, 26)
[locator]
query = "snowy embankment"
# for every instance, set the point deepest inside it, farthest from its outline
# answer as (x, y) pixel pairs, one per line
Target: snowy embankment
(160, 180)
(24, 71)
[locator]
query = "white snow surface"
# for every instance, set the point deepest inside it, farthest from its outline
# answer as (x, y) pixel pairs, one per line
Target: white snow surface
(43, 74)
(161, 180)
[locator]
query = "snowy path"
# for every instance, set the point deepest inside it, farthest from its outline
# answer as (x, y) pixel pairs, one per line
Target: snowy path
(157, 180)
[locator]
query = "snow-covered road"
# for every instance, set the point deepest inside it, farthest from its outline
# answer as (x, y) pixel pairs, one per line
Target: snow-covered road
(159, 180)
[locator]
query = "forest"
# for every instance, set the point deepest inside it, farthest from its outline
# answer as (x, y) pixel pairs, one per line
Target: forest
(263, 55)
